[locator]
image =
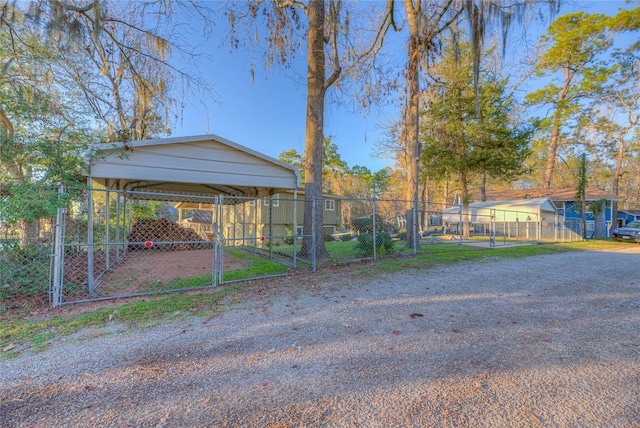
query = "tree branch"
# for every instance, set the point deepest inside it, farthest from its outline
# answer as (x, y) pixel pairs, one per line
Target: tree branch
(7, 123)
(73, 8)
(294, 3)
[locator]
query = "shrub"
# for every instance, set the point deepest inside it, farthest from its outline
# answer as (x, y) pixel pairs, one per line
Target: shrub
(402, 236)
(24, 272)
(365, 224)
(384, 244)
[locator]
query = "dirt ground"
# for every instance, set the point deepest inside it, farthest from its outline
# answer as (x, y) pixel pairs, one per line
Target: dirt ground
(151, 265)
(547, 341)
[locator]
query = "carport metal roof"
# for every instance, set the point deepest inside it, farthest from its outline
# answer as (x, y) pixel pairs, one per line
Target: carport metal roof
(205, 165)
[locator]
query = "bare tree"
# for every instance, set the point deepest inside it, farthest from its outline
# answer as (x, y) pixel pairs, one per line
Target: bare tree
(119, 56)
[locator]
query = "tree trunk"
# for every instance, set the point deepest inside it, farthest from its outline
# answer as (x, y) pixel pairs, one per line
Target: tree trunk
(424, 217)
(553, 149)
(29, 233)
(314, 144)
(600, 221)
(616, 185)
(412, 115)
(555, 132)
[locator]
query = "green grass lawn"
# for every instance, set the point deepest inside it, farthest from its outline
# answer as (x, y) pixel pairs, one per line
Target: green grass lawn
(21, 331)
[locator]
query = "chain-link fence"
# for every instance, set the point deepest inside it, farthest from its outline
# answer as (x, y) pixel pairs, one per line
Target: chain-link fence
(107, 243)
(25, 255)
(361, 229)
(131, 243)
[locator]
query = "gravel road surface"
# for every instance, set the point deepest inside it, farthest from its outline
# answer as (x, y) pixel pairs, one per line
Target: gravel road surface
(547, 341)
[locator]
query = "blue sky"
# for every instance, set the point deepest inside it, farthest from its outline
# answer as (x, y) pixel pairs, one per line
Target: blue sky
(268, 114)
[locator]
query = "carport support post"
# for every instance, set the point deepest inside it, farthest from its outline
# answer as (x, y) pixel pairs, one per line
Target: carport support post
(214, 255)
(257, 233)
(294, 232)
(271, 226)
(90, 280)
(117, 226)
(220, 241)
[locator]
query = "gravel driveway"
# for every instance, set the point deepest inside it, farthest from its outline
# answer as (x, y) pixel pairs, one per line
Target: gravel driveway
(547, 341)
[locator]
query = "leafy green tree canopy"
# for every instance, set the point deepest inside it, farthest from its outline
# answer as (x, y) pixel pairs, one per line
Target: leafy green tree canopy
(454, 141)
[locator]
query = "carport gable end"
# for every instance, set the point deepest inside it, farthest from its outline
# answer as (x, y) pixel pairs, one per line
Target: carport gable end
(205, 164)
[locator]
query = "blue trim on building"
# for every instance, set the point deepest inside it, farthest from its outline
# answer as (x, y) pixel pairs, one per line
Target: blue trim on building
(627, 217)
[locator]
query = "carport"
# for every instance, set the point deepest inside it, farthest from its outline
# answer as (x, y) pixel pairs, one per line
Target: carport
(204, 166)
(533, 209)
(518, 218)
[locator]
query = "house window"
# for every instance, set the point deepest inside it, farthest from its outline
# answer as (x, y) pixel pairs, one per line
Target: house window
(328, 230)
(299, 230)
(329, 205)
(273, 201)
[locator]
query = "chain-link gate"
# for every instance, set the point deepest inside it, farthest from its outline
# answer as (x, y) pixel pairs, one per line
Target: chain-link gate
(115, 243)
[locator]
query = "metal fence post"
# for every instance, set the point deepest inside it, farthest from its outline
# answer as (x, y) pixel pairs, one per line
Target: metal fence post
(492, 231)
(415, 218)
(107, 240)
(460, 225)
(214, 254)
(90, 278)
(58, 260)
(375, 246)
(313, 234)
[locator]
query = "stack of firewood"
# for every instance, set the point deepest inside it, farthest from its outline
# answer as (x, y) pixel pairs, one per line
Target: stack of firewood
(156, 232)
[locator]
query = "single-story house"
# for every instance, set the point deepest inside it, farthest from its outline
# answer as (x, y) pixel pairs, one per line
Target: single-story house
(252, 218)
(627, 216)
